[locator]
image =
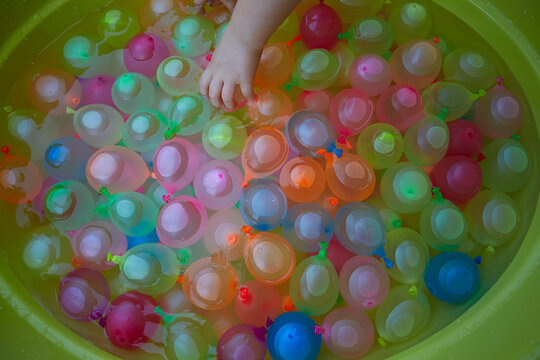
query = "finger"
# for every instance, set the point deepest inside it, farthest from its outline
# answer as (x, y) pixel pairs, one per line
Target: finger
(204, 83)
(215, 92)
(229, 4)
(247, 90)
(228, 94)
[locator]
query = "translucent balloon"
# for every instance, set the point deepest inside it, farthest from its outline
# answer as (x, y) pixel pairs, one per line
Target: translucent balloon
(320, 26)
(98, 125)
(452, 277)
(131, 321)
(179, 75)
(351, 10)
(143, 130)
(174, 301)
(210, 283)
(351, 111)
(144, 52)
(318, 101)
(507, 165)
(117, 26)
(84, 295)
(402, 315)
(175, 164)
(69, 205)
(416, 63)
(359, 228)
(392, 220)
(20, 180)
(256, 303)
(190, 113)
(132, 213)
(263, 204)
(458, 177)
(426, 141)
(370, 74)
(348, 333)
(465, 138)
(133, 91)
(469, 68)
(363, 282)
(54, 92)
(455, 98)
(400, 106)
(309, 131)
(189, 336)
(218, 184)
(265, 152)
(46, 253)
(314, 286)
(287, 30)
(93, 241)
(371, 35)
(406, 188)
(193, 35)
(350, 178)
(443, 44)
(292, 337)
(36, 130)
(97, 90)
(316, 69)
(66, 158)
(410, 21)
(153, 12)
(148, 268)
(242, 342)
(181, 222)
(302, 179)
(275, 66)
(381, 145)
(224, 233)
(272, 107)
(117, 168)
(269, 258)
(409, 253)
(223, 137)
(493, 218)
(498, 114)
(79, 54)
(443, 225)
(345, 56)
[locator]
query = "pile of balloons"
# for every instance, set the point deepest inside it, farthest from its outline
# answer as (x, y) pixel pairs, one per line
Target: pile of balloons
(367, 179)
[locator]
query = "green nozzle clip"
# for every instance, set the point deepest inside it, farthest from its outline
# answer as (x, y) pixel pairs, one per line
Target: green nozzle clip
(114, 258)
(184, 256)
(437, 193)
(104, 191)
(69, 110)
(516, 137)
(442, 115)
(102, 210)
(413, 291)
(397, 223)
(322, 251)
(167, 319)
(8, 108)
(381, 342)
(172, 130)
(387, 55)
(490, 250)
(345, 35)
(481, 93)
(290, 85)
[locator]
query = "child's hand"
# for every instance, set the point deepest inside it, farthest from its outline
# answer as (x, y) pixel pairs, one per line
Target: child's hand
(199, 4)
(231, 71)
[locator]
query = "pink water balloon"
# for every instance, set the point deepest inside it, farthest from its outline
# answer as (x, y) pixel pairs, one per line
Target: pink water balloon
(400, 106)
(175, 164)
(351, 111)
(320, 26)
(371, 74)
(144, 52)
(117, 168)
(181, 222)
(218, 184)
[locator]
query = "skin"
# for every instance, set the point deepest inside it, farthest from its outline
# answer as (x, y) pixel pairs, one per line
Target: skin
(234, 62)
